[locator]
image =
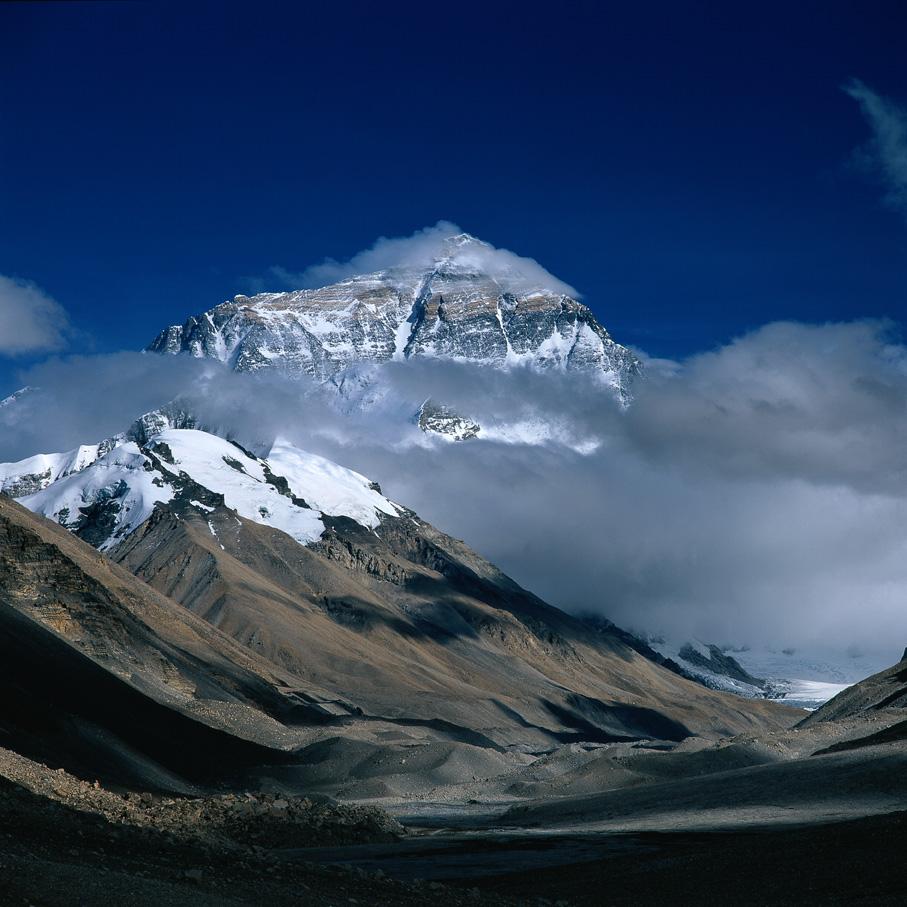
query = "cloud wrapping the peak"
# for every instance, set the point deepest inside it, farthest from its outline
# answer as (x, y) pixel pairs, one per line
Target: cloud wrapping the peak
(887, 150)
(755, 493)
(420, 251)
(30, 321)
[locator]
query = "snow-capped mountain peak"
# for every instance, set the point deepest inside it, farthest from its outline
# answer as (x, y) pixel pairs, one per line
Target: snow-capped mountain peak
(467, 302)
(34, 473)
(462, 240)
(103, 495)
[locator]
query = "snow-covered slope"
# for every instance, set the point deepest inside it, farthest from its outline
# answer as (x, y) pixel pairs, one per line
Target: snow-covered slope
(25, 477)
(460, 307)
(109, 496)
(107, 499)
(34, 473)
(330, 488)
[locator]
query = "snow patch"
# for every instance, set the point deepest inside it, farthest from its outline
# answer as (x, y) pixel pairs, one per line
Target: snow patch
(222, 467)
(328, 487)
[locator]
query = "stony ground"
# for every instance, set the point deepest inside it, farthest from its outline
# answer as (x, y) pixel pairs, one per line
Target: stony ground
(848, 863)
(64, 841)
(684, 831)
(258, 819)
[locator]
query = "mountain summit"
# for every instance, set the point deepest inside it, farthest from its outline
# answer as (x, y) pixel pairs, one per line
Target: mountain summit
(462, 300)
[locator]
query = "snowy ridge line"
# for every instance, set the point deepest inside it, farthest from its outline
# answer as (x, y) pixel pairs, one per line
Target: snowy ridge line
(37, 472)
(459, 308)
(104, 495)
(109, 498)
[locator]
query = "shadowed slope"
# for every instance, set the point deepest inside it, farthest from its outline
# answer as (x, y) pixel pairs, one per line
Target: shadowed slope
(885, 690)
(101, 671)
(881, 698)
(406, 624)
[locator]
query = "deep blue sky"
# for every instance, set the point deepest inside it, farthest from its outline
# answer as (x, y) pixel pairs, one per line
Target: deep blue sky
(685, 165)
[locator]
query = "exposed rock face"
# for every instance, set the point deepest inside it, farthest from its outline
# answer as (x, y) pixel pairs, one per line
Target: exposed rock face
(343, 544)
(28, 483)
(454, 309)
(720, 663)
(102, 673)
(442, 420)
(150, 424)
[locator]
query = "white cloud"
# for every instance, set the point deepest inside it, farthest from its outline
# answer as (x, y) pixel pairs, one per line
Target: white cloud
(421, 250)
(30, 321)
(756, 493)
(887, 150)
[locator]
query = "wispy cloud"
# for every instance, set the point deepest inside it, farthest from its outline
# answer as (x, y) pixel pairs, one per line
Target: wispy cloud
(30, 321)
(420, 250)
(886, 153)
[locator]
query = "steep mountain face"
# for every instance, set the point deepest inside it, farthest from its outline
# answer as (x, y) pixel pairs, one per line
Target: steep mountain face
(101, 674)
(405, 625)
(459, 307)
(379, 623)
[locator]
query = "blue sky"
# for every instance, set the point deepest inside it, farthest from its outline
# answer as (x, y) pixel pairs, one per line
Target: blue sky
(688, 166)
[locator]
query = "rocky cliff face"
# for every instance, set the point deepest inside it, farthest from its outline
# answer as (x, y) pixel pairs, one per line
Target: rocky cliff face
(442, 420)
(457, 308)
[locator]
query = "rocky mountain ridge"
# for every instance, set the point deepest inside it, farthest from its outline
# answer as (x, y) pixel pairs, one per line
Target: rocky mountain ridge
(104, 492)
(368, 609)
(460, 307)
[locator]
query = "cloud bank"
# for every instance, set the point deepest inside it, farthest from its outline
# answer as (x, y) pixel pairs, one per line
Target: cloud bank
(886, 153)
(753, 494)
(420, 251)
(30, 321)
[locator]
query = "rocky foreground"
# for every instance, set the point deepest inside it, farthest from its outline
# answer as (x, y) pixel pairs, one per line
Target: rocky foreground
(66, 841)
